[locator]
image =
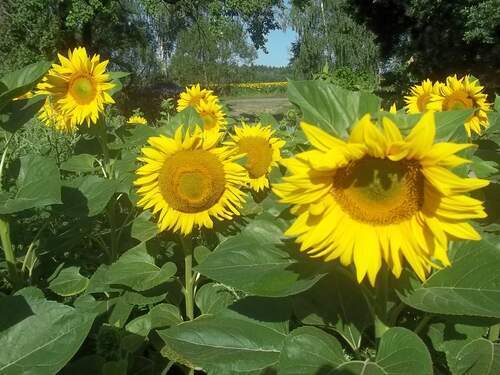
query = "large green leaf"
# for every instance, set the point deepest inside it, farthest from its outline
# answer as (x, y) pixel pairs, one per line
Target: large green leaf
(80, 163)
(160, 316)
(309, 350)
(479, 356)
(330, 107)
(21, 81)
(69, 282)
(38, 185)
(471, 286)
(450, 125)
(136, 269)
(143, 228)
(255, 263)
(402, 352)
(223, 344)
(44, 340)
(335, 302)
(88, 195)
(18, 112)
(212, 298)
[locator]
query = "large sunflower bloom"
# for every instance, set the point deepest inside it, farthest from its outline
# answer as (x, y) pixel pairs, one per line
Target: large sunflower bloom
(187, 181)
(192, 96)
(212, 115)
(380, 197)
(54, 118)
(420, 96)
(262, 150)
(463, 93)
(79, 86)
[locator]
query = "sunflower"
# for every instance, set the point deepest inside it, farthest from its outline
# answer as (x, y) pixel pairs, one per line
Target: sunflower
(420, 95)
(188, 181)
(380, 197)
(54, 118)
(192, 96)
(133, 120)
(211, 112)
(261, 149)
(79, 86)
(463, 93)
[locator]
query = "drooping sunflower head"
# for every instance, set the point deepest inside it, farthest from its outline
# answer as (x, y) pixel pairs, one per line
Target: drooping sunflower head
(214, 119)
(188, 182)
(380, 197)
(137, 120)
(52, 117)
(262, 151)
(420, 95)
(79, 86)
(462, 93)
(192, 95)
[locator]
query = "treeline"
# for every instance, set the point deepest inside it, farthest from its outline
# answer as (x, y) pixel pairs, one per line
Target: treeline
(366, 44)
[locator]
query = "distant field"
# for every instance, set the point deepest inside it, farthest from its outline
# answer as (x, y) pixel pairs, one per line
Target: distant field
(255, 105)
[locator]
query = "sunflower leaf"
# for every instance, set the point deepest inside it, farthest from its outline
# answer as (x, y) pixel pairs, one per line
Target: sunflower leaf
(471, 286)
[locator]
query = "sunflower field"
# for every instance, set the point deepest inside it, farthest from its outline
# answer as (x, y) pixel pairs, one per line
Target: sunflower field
(353, 240)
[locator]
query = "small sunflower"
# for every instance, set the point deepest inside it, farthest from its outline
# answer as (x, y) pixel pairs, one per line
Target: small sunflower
(134, 120)
(51, 117)
(192, 96)
(380, 197)
(464, 93)
(79, 86)
(188, 181)
(420, 95)
(261, 149)
(212, 114)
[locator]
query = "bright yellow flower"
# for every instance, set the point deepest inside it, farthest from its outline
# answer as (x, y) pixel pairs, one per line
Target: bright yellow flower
(420, 95)
(79, 86)
(187, 181)
(192, 96)
(212, 114)
(51, 117)
(261, 149)
(379, 197)
(137, 120)
(463, 93)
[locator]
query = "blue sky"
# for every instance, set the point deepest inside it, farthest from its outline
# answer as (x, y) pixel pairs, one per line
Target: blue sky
(278, 48)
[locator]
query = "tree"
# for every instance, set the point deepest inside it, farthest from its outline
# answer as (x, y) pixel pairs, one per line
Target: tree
(437, 38)
(327, 33)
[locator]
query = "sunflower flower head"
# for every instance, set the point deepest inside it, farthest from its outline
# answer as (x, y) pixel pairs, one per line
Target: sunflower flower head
(192, 95)
(214, 119)
(137, 120)
(380, 197)
(54, 118)
(79, 86)
(262, 151)
(462, 93)
(420, 96)
(187, 181)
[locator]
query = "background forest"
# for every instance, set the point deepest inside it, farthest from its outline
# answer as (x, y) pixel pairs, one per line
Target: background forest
(375, 45)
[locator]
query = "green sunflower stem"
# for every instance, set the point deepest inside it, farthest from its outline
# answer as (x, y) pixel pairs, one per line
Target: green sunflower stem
(8, 250)
(381, 311)
(187, 246)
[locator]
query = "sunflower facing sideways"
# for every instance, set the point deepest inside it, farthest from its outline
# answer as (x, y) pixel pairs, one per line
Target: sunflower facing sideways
(462, 93)
(51, 117)
(380, 197)
(262, 150)
(137, 120)
(212, 115)
(420, 96)
(192, 95)
(79, 86)
(188, 181)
